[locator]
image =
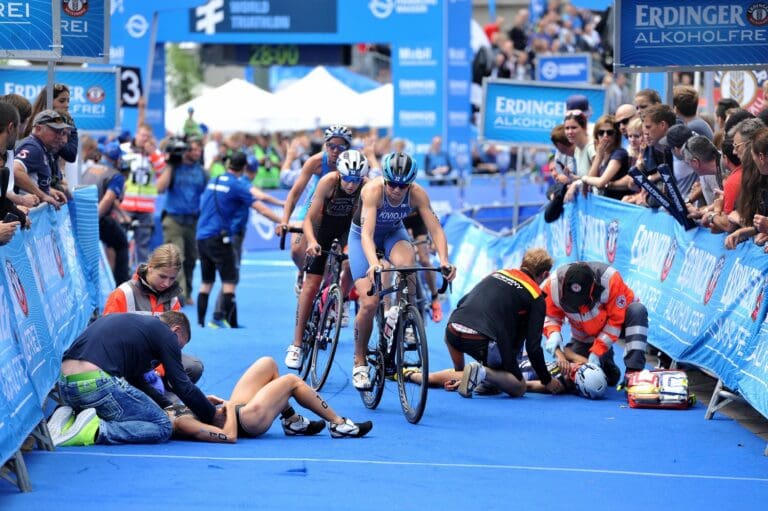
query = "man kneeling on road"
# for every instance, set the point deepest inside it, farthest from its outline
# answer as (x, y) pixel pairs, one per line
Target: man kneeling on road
(103, 382)
(491, 323)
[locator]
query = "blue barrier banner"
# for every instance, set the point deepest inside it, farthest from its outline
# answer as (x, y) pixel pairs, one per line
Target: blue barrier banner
(665, 34)
(94, 94)
(84, 31)
(84, 214)
(705, 303)
(31, 30)
(569, 68)
(525, 112)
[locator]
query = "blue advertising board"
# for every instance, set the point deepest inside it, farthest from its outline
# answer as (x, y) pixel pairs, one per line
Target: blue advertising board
(568, 68)
(525, 112)
(31, 30)
(84, 30)
(664, 35)
(94, 94)
(287, 16)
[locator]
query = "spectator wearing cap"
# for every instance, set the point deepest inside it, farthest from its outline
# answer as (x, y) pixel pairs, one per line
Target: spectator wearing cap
(223, 198)
(110, 183)
(183, 182)
(600, 308)
(685, 177)
(61, 99)
(35, 168)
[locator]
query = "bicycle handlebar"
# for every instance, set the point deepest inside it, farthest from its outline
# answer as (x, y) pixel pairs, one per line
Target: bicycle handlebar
(286, 231)
(407, 270)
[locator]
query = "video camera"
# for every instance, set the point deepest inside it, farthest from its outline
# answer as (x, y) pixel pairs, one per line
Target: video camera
(175, 149)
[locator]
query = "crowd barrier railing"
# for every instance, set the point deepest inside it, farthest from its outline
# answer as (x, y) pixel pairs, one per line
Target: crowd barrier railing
(52, 281)
(705, 303)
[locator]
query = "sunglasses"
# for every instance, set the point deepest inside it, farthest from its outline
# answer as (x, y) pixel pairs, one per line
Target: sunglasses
(624, 122)
(351, 179)
(574, 113)
(401, 186)
(602, 133)
(336, 147)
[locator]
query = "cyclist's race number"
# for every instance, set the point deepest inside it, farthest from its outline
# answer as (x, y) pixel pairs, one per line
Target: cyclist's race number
(130, 86)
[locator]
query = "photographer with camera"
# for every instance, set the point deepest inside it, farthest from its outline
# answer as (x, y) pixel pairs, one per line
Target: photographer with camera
(109, 177)
(183, 184)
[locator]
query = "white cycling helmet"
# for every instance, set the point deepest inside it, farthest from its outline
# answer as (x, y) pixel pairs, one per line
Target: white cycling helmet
(591, 382)
(352, 163)
(337, 130)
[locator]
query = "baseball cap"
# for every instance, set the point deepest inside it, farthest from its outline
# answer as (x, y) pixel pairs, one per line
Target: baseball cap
(112, 151)
(677, 135)
(578, 287)
(52, 119)
(238, 160)
(578, 102)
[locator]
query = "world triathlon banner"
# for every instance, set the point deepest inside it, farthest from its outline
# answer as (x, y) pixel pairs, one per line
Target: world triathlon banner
(705, 303)
(44, 304)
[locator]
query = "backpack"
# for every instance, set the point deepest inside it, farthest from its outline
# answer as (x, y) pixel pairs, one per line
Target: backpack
(660, 388)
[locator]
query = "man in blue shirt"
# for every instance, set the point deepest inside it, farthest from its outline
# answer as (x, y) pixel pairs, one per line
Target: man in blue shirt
(223, 199)
(183, 183)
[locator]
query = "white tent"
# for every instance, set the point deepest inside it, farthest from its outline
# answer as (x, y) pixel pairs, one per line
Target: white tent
(374, 108)
(228, 108)
(317, 99)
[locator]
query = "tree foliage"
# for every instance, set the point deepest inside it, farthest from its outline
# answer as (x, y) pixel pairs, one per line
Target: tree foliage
(183, 72)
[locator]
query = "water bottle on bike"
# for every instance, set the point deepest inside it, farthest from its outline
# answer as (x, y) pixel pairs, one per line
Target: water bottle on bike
(390, 323)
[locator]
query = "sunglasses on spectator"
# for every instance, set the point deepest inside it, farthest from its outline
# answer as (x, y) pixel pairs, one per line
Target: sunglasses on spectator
(624, 122)
(602, 133)
(337, 147)
(401, 186)
(351, 179)
(574, 113)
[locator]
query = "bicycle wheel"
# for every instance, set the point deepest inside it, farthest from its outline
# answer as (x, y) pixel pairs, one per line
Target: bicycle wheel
(308, 339)
(412, 353)
(372, 398)
(327, 338)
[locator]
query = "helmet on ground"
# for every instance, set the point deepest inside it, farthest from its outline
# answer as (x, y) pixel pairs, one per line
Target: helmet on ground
(399, 168)
(591, 382)
(337, 130)
(352, 163)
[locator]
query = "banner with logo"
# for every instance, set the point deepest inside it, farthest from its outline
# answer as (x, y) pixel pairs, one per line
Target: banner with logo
(705, 303)
(84, 30)
(94, 94)
(31, 30)
(525, 112)
(459, 76)
(745, 86)
(569, 68)
(660, 35)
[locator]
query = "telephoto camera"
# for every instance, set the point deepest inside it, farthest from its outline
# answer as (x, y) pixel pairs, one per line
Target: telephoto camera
(175, 149)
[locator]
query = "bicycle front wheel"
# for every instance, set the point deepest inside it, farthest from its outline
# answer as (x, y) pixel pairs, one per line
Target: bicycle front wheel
(412, 355)
(327, 338)
(309, 338)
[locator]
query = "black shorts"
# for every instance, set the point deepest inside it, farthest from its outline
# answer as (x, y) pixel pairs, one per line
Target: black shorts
(416, 225)
(325, 238)
(242, 432)
(217, 255)
(478, 349)
(111, 234)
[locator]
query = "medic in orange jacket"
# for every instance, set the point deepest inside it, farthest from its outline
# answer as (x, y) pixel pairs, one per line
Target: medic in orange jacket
(599, 306)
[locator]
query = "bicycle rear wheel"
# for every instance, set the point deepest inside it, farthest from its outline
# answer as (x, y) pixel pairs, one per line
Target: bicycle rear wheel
(327, 338)
(308, 339)
(371, 398)
(412, 353)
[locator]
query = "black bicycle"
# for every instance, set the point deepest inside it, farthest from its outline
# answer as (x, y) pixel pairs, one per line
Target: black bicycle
(321, 331)
(402, 353)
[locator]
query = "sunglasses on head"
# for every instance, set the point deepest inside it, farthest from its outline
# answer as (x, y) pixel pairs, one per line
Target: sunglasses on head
(602, 133)
(337, 147)
(401, 186)
(574, 113)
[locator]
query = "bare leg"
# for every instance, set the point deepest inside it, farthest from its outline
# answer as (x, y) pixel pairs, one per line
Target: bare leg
(308, 292)
(505, 381)
(438, 378)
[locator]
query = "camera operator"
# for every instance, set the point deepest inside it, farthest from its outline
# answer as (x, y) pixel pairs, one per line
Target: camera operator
(183, 183)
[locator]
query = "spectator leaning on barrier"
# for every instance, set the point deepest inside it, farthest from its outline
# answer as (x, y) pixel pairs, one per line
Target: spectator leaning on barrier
(183, 182)
(685, 177)
(611, 162)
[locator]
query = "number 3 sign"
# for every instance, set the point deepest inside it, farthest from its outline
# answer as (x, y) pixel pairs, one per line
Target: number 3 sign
(130, 86)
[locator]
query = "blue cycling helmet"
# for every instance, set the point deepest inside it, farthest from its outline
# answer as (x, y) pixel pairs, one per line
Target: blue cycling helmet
(352, 163)
(337, 130)
(399, 168)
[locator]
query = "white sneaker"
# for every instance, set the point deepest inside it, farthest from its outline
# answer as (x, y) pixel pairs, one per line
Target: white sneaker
(293, 357)
(360, 378)
(58, 421)
(345, 314)
(349, 429)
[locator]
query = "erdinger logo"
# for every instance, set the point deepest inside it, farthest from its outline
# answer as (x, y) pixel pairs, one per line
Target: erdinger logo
(95, 94)
(712, 284)
(757, 14)
(57, 254)
(18, 288)
(668, 260)
(75, 8)
(612, 240)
